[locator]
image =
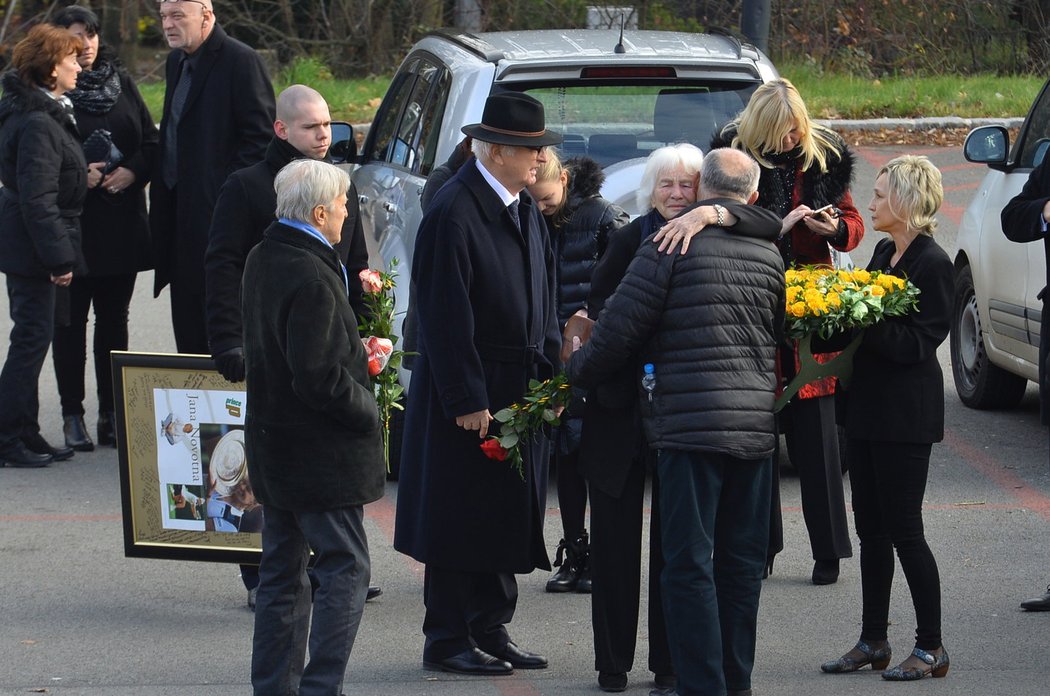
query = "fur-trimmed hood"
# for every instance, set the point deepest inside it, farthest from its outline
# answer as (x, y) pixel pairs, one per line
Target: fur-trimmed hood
(21, 98)
(585, 178)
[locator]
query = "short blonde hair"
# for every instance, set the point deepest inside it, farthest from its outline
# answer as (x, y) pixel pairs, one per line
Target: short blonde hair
(914, 191)
(304, 184)
(773, 111)
(551, 169)
(662, 160)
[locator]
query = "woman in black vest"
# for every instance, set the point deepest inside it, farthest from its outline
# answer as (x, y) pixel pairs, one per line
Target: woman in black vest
(44, 179)
(115, 227)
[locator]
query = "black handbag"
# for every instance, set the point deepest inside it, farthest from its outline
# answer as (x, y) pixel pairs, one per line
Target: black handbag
(99, 147)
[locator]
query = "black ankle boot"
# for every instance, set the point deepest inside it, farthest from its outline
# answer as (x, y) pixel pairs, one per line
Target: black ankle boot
(106, 434)
(76, 434)
(583, 561)
(567, 576)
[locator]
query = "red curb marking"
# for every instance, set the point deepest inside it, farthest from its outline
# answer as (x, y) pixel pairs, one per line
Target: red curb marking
(1014, 486)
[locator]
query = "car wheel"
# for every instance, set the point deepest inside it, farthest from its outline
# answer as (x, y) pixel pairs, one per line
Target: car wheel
(397, 430)
(980, 384)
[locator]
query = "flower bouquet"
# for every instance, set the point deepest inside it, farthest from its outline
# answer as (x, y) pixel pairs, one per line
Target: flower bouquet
(520, 421)
(824, 301)
(377, 331)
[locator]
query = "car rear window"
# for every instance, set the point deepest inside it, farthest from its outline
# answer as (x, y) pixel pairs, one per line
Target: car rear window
(613, 123)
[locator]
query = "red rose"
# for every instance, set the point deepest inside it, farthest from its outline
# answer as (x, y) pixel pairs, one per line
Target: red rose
(494, 450)
(371, 281)
(374, 367)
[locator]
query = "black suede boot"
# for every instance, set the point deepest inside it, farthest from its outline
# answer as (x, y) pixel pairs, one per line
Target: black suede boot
(106, 434)
(583, 562)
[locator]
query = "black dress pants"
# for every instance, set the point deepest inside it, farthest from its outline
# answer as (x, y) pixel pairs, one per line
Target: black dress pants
(31, 302)
(465, 610)
(111, 297)
(616, 563)
(813, 446)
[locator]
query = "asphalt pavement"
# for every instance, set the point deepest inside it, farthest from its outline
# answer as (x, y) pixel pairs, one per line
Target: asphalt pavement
(77, 617)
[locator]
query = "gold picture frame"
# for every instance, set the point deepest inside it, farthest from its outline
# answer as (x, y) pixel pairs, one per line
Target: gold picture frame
(184, 486)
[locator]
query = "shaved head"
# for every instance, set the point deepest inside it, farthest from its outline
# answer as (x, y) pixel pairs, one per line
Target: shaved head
(291, 100)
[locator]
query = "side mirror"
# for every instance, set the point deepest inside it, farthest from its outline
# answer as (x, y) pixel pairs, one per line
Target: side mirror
(344, 143)
(987, 145)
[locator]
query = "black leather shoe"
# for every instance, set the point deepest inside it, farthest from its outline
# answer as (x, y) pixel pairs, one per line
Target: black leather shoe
(471, 661)
(665, 681)
(106, 433)
(613, 682)
(521, 659)
(76, 434)
(20, 457)
(373, 592)
(36, 443)
(826, 572)
(1038, 603)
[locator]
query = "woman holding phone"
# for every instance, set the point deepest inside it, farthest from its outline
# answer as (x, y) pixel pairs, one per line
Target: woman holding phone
(806, 175)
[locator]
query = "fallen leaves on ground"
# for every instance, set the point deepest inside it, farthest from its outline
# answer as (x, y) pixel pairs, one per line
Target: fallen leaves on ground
(925, 137)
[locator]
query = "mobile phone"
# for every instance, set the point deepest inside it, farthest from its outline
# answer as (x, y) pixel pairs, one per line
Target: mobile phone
(826, 209)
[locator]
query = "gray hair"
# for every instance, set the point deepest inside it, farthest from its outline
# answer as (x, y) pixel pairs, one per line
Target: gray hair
(662, 160)
(304, 184)
(729, 173)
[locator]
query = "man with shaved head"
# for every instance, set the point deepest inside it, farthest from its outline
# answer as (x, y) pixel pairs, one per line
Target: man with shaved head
(303, 130)
(218, 111)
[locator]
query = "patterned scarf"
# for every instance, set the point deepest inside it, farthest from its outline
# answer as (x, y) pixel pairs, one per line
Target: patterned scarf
(97, 89)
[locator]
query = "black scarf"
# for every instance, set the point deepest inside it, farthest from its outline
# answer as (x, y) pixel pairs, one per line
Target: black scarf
(97, 89)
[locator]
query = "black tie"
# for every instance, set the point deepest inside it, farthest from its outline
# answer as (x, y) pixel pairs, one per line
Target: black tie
(513, 210)
(178, 102)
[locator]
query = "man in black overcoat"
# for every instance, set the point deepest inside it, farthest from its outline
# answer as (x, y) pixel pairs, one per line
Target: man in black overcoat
(484, 275)
(244, 210)
(218, 115)
(1025, 219)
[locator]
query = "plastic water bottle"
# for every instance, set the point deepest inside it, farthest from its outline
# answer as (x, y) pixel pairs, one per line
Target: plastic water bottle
(649, 379)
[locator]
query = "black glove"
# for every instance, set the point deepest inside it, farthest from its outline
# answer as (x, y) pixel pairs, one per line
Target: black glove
(230, 364)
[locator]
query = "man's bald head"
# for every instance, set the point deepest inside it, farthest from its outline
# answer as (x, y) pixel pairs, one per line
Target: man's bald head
(304, 121)
(729, 173)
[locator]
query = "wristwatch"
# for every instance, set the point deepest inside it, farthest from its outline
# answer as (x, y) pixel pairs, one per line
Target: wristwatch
(721, 212)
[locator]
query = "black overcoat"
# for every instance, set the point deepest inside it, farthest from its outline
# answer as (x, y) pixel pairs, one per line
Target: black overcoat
(244, 210)
(312, 430)
(116, 237)
(226, 123)
(1022, 220)
(487, 324)
(896, 393)
(44, 178)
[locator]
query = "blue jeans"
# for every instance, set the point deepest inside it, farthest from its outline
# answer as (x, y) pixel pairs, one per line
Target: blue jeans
(714, 514)
(282, 609)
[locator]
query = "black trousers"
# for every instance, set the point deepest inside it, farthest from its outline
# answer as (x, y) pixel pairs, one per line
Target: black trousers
(111, 297)
(813, 446)
(466, 610)
(31, 302)
(888, 481)
(188, 318)
(616, 563)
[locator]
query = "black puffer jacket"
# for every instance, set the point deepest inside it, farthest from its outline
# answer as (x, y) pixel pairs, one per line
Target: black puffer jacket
(580, 233)
(709, 321)
(44, 175)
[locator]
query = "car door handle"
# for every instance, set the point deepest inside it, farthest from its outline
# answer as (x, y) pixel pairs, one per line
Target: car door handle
(362, 199)
(389, 207)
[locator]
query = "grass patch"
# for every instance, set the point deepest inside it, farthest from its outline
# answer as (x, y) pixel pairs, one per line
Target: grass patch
(826, 95)
(976, 96)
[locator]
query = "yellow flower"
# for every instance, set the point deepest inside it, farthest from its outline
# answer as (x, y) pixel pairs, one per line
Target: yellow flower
(861, 276)
(797, 309)
(834, 300)
(876, 290)
(793, 292)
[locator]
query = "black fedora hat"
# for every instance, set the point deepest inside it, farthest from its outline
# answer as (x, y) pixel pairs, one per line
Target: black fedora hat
(512, 118)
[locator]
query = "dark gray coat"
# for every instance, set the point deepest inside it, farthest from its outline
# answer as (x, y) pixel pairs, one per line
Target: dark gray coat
(709, 321)
(44, 178)
(487, 325)
(312, 427)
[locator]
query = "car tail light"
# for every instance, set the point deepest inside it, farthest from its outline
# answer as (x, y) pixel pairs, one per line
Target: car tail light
(604, 73)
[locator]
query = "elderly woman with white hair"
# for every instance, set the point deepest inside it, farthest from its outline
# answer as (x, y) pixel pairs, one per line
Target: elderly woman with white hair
(613, 452)
(312, 436)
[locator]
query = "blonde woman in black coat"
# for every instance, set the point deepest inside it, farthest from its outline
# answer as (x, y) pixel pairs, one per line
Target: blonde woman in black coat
(114, 225)
(894, 413)
(44, 179)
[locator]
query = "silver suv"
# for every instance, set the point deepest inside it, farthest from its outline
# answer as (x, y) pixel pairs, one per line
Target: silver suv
(613, 97)
(995, 328)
